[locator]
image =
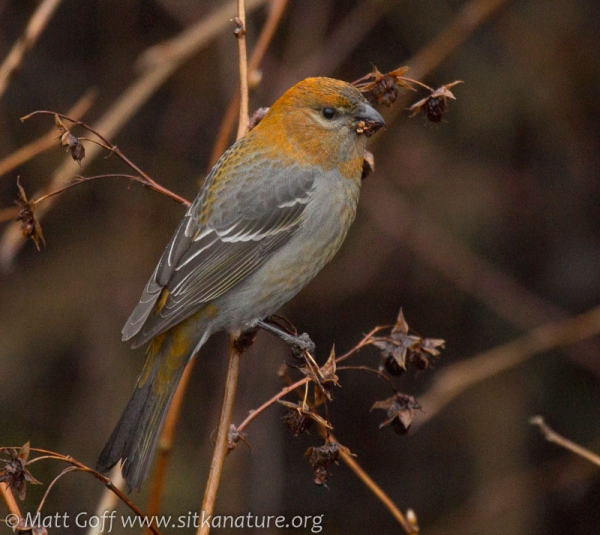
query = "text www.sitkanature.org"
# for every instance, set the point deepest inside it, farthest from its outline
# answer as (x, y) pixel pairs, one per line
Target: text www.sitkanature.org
(108, 521)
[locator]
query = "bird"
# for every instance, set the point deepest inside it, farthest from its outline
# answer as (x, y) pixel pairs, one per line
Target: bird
(273, 210)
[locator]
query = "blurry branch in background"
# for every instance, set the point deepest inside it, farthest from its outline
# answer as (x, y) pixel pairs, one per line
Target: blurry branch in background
(552, 436)
(25, 43)
(108, 501)
(437, 246)
(342, 40)
(155, 73)
(521, 489)
(470, 17)
(455, 379)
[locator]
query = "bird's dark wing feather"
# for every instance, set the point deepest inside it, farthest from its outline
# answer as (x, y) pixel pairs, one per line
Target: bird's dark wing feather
(204, 260)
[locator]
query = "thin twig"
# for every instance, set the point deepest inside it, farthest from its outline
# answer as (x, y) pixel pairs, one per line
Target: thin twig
(240, 34)
(47, 454)
(552, 436)
(262, 44)
(106, 144)
(378, 492)
(470, 17)
(366, 340)
(453, 380)
(108, 501)
(131, 100)
(9, 500)
(25, 43)
(52, 483)
(371, 370)
(29, 151)
(222, 443)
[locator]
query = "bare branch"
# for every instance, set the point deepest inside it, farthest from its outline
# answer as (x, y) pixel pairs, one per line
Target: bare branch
(552, 436)
(35, 27)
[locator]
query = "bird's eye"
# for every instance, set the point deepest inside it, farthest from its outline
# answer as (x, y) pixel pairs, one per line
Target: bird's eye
(328, 113)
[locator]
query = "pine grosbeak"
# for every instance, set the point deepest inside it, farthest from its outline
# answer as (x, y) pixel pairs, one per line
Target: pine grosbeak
(271, 213)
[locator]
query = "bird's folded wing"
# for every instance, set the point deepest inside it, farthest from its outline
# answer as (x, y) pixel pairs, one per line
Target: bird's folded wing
(203, 261)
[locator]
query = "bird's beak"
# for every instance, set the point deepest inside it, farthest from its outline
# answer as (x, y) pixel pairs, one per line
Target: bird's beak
(367, 120)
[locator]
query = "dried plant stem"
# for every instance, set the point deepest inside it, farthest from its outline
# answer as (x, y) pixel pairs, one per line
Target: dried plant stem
(46, 454)
(108, 500)
(552, 436)
(222, 443)
(35, 27)
(131, 100)
(165, 442)
(371, 485)
(240, 33)
(9, 500)
(452, 381)
(29, 151)
(222, 140)
(366, 340)
(236, 349)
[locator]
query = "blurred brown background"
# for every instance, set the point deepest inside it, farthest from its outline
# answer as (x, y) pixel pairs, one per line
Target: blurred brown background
(481, 228)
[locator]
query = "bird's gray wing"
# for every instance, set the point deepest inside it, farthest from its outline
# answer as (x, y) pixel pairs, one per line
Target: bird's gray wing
(217, 246)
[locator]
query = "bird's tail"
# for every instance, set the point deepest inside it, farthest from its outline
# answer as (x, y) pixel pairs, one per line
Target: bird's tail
(135, 437)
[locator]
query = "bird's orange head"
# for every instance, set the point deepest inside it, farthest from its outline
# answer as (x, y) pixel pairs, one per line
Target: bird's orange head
(321, 121)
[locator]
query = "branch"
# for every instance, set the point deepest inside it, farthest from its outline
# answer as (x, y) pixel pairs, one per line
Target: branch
(266, 35)
(372, 486)
(453, 380)
(25, 43)
(240, 34)
(9, 500)
(132, 99)
(367, 340)
(222, 444)
(106, 144)
(552, 436)
(29, 151)
(46, 454)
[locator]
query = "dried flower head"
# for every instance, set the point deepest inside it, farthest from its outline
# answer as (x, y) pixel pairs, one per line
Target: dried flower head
(400, 411)
(322, 457)
(403, 347)
(74, 146)
(435, 104)
(15, 473)
(382, 88)
(30, 226)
